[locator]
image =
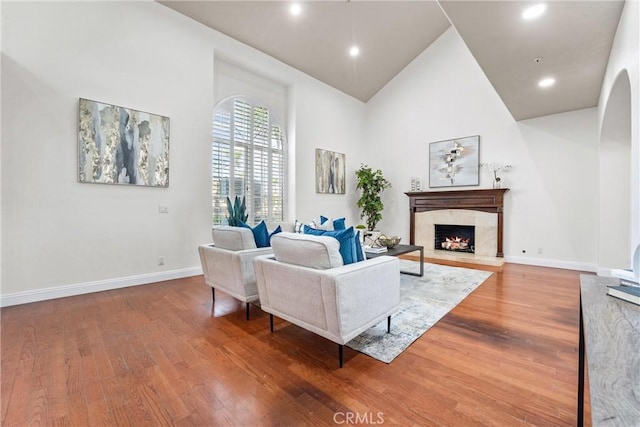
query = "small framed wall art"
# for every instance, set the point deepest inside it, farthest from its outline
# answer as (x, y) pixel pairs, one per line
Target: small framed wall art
(330, 172)
(454, 162)
(118, 145)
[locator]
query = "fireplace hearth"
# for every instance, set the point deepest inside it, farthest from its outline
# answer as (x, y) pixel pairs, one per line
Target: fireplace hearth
(455, 238)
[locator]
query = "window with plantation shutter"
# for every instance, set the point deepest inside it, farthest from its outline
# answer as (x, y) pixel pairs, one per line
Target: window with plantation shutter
(248, 159)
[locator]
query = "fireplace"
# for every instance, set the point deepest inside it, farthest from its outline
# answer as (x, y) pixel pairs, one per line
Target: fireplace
(455, 238)
(481, 208)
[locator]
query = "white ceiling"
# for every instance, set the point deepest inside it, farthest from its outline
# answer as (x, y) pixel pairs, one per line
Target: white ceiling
(572, 37)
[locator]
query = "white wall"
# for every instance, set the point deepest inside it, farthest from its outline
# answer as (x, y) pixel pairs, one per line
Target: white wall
(624, 56)
(65, 237)
(135, 55)
(555, 207)
(443, 94)
(320, 123)
(1, 59)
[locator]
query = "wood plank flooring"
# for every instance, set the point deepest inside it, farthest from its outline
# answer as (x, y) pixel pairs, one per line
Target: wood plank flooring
(165, 354)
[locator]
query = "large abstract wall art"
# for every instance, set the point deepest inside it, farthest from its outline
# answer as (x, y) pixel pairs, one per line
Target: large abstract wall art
(455, 162)
(330, 172)
(118, 145)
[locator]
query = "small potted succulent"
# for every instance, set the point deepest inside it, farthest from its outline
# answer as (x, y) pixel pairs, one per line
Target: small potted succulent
(237, 210)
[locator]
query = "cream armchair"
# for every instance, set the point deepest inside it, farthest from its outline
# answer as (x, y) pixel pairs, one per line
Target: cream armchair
(305, 283)
(228, 263)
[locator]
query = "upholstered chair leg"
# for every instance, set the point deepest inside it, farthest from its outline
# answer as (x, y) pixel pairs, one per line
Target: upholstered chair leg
(271, 321)
(340, 352)
(247, 311)
(213, 293)
(389, 324)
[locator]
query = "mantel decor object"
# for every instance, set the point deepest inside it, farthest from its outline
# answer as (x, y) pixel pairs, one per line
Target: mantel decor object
(118, 145)
(496, 168)
(454, 162)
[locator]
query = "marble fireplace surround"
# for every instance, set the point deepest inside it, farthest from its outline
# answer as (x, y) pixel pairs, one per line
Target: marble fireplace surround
(482, 209)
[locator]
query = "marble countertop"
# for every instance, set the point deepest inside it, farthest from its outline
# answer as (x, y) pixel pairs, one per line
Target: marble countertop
(612, 341)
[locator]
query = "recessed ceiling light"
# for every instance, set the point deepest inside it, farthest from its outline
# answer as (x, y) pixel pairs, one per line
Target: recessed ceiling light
(546, 82)
(295, 9)
(534, 11)
(354, 51)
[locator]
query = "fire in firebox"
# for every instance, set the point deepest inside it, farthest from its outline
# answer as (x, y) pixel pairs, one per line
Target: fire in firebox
(455, 244)
(457, 238)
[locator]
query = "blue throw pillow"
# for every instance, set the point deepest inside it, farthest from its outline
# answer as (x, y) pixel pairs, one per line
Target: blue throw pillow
(274, 232)
(359, 253)
(338, 224)
(260, 234)
(344, 237)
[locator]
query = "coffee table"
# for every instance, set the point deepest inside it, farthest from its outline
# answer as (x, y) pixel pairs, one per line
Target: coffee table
(402, 250)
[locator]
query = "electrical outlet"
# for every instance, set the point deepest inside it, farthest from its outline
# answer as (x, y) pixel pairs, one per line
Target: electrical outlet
(163, 209)
(161, 260)
(540, 251)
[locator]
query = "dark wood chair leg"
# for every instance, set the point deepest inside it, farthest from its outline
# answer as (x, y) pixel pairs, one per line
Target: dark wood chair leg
(213, 293)
(271, 321)
(340, 353)
(247, 311)
(389, 324)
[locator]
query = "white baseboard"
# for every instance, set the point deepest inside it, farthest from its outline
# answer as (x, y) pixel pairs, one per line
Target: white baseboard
(143, 279)
(97, 286)
(567, 265)
(605, 272)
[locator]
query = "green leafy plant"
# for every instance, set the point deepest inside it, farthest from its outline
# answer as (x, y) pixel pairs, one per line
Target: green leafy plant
(372, 183)
(237, 211)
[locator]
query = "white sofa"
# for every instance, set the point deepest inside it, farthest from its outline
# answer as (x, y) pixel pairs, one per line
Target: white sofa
(306, 283)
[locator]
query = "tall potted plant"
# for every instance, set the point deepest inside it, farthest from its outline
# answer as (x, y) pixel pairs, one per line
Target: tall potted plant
(372, 183)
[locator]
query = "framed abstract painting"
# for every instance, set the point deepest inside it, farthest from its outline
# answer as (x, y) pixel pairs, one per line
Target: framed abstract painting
(455, 162)
(330, 172)
(118, 145)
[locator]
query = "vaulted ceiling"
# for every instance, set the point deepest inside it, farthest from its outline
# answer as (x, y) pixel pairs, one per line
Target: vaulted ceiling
(571, 38)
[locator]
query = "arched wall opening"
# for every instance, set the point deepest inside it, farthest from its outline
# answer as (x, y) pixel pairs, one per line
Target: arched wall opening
(615, 198)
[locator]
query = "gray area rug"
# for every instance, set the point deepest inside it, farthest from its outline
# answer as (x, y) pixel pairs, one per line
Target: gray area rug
(423, 301)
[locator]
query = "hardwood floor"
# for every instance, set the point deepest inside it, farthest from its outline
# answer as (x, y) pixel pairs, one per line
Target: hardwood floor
(164, 354)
